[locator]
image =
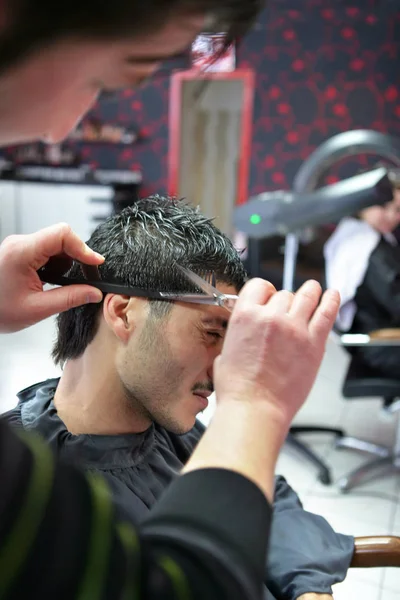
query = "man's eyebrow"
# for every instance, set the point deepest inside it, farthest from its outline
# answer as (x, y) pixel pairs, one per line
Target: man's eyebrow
(216, 322)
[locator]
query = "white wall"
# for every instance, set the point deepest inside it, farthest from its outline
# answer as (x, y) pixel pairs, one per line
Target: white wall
(27, 207)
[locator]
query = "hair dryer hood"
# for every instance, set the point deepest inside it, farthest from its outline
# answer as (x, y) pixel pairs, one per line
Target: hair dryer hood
(280, 212)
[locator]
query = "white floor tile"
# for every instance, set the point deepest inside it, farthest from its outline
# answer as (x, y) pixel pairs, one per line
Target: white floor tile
(324, 404)
(372, 576)
(353, 588)
(349, 514)
(396, 521)
(391, 579)
(391, 576)
(298, 472)
(366, 419)
(389, 595)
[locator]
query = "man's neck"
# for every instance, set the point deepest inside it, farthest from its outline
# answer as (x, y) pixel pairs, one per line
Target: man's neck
(92, 401)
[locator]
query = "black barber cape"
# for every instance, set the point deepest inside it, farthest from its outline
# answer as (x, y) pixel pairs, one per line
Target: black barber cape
(305, 555)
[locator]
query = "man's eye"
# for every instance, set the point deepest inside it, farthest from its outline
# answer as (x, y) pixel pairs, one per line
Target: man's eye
(215, 334)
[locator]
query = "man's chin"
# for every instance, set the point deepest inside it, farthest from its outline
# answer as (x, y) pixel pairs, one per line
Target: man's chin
(179, 426)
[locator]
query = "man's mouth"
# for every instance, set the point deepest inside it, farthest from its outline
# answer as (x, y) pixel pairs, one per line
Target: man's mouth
(203, 393)
(203, 396)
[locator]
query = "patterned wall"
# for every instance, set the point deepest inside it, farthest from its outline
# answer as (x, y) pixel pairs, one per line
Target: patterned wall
(322, 69)
(323, 66)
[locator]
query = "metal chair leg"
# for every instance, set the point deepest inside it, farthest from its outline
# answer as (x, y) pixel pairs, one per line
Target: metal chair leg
(354, 478)
(324, 475)
(389, 457)
(353, 443)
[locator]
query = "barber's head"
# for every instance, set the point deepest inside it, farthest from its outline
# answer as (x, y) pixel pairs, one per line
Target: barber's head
(56, 57)
(159, 353)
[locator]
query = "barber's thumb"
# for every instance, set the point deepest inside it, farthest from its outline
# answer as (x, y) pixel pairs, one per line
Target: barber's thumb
(67, 297)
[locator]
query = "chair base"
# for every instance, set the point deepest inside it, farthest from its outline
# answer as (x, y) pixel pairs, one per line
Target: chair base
(389, 464)
(324, 472)
(388, 459)
(353, 443)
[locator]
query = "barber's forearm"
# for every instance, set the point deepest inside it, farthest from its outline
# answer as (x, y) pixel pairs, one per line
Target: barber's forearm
(245, 438)
(312, 596)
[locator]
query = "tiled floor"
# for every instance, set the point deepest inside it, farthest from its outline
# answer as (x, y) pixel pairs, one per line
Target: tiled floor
(372, 509)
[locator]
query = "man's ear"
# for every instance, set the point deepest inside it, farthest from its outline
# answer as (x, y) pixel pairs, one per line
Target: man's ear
(118, 314)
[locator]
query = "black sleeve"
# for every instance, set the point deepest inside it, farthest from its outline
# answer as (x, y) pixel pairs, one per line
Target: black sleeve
(59, 536)
(220, 519)
(306, 554)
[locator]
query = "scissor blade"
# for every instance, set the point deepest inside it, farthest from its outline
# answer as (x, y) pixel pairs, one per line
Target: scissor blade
(201, 283)
(191, 298)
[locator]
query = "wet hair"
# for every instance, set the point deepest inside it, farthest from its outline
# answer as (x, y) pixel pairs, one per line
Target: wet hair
(34, 24)
(142, 245)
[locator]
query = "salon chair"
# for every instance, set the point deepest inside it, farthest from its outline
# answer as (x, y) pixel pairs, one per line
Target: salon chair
(307, 204)
(362, 381)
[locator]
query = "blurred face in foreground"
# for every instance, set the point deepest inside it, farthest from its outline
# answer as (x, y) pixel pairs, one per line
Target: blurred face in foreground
(45, 96)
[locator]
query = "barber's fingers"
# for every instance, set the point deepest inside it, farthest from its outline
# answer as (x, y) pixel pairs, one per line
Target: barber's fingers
(59, 239)
(325, 316)
(256, 291)
(306, 301)
(280, 303)
(41, 305)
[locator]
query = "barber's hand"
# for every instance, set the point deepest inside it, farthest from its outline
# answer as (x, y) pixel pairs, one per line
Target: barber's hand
(274, 346)
(22, 299)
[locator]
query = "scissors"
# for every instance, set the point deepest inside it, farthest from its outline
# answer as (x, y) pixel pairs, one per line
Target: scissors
(54, 274)
(211, 294)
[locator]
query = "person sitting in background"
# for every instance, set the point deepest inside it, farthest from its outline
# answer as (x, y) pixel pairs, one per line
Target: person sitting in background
(363, 263)
(136, 373)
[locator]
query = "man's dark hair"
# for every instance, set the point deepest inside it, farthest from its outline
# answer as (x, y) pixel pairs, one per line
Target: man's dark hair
(142, 245)
(32, 24)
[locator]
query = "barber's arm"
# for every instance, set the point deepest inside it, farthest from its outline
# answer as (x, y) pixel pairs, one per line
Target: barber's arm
(306, 555)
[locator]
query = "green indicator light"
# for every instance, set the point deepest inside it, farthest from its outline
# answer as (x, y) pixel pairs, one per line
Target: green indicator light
(255, 219)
